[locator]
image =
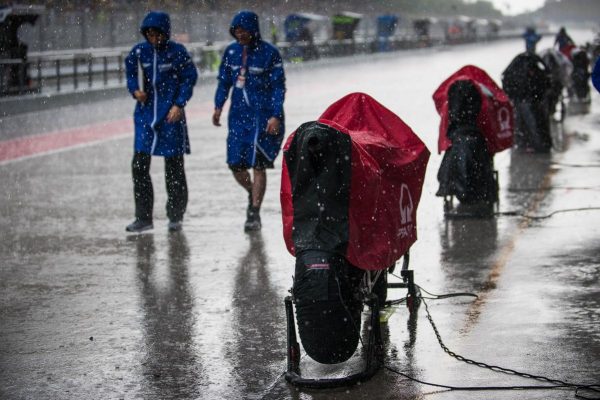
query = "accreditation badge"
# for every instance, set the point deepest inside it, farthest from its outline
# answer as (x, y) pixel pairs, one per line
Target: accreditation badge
(241, 79)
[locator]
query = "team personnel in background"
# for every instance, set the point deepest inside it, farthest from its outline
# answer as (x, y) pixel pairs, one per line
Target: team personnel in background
(531, 38)
(564, 43)
(252, 72)
(161, 77)
(596, 75)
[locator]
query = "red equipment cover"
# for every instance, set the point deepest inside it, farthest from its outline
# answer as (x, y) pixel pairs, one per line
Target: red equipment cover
(387, 164)
(496, 119)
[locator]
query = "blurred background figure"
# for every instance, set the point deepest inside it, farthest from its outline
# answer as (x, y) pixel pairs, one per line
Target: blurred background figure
(14, 64)
(531, 38)
(560, 70)
(596, 75)
(564, 43)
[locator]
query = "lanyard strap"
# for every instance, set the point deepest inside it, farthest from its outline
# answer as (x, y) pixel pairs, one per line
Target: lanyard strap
(244, 60)
(241, 77)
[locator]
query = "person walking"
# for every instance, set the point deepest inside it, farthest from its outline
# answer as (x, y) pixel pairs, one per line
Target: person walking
(531, 38)
(160, 76)
(564, 42)
(252, 72)
(596, 75)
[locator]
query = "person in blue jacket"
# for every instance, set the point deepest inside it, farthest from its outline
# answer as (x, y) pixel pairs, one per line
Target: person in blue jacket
(251, 71)
(531, 39)
(596, 75)
(160, 76)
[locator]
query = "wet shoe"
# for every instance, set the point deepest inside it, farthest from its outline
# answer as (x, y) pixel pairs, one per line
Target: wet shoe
(175, 226)
(252, 220)
(139, 226)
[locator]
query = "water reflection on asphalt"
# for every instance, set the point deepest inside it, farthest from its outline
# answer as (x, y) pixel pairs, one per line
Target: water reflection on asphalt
(170, 366)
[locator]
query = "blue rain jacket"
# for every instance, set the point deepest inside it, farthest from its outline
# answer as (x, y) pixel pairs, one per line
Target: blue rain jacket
(596, 75)
(169, 76)
(260, 98)
(531, 38)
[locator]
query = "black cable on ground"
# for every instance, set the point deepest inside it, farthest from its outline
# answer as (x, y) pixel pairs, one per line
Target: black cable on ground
(535, 189)
(475, 388)
(554, 383)
(446, 295)
(561, 211)
(576, 165)
(272, 385)
(519, 214)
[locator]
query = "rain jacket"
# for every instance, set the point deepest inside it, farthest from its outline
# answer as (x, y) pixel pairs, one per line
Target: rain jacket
(169, 79)
(259, 99)
(531, 38)
(563, 39)
(596, 75)
(564, 42)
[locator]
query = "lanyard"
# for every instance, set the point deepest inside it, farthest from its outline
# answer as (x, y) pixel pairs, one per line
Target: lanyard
(244, 61)
(240, 83)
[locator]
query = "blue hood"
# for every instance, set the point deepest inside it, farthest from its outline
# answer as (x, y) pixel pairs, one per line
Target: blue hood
(248, 21)
(158, 20)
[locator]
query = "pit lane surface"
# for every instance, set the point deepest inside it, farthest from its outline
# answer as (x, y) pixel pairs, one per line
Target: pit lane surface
(87, 311)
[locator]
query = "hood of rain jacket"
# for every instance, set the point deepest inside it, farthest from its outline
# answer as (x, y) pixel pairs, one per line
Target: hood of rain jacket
(167, 75)
(158, 20)
(248, 21)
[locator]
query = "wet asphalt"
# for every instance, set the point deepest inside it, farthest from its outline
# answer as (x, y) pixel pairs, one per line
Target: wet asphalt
(88, 311)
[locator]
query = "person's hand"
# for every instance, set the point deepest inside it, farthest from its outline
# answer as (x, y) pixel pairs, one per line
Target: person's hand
(216, 118)
(140, 96)
(273, 125)
(175, 114)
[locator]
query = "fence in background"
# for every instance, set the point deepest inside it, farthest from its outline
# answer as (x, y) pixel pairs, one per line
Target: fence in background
(59, 71)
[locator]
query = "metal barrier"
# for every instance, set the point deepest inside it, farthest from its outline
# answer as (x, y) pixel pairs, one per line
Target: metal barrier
(60, 71)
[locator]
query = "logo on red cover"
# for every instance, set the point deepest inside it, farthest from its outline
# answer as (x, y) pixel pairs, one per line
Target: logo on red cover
(504, 121)
(406, 211)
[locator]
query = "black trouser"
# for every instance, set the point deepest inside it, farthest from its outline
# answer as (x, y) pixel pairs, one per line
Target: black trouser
(143, 191)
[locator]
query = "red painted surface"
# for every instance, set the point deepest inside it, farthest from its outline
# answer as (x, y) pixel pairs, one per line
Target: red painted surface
(48, 142)
(38, 144)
